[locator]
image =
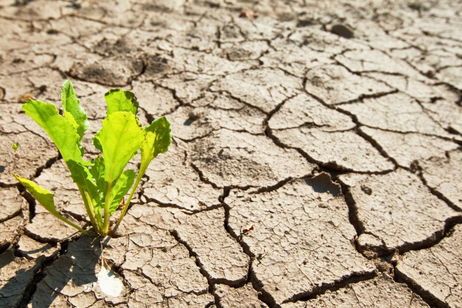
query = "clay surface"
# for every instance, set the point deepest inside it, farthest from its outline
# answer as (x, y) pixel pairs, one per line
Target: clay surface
(316, 159)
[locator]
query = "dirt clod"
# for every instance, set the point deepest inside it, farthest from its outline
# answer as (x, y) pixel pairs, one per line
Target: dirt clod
(342, 30)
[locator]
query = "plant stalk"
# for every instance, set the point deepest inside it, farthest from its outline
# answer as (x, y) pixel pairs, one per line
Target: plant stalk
(107, 215)
(89, 208)
(127, 203)
(65, 220)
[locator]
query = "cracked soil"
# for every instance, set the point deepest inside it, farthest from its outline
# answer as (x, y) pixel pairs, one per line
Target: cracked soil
(316, 159)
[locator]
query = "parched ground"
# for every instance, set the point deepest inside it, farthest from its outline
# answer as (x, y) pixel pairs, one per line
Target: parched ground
(316, 158)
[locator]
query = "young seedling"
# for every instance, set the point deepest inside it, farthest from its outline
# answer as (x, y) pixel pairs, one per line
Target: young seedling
(104, 181)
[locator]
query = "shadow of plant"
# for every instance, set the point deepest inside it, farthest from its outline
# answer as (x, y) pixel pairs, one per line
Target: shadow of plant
(13, 290)
(77, 265)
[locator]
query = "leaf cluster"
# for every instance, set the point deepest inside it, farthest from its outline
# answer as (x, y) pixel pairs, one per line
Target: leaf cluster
(104, 181)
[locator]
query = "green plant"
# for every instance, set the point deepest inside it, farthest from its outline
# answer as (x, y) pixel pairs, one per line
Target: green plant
(104, 181)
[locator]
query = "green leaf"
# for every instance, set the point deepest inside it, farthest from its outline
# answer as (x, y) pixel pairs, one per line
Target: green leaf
(45, 198)
(97, 171)
(92, 194)
(119, 100)
(84, 179)
(72, 108)
(97, 144)
(156, 141)
(61, 130)
(120, 138)
(121, 188)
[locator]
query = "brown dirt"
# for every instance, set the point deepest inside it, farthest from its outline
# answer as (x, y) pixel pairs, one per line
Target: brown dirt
(317, 154)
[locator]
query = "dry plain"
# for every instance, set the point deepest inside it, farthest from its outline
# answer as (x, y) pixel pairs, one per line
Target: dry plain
(316, 159)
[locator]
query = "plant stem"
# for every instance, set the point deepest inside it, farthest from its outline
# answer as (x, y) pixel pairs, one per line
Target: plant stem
(89, 208)
(127, 203)
(65, 220)
(107, 199)
(99, 219)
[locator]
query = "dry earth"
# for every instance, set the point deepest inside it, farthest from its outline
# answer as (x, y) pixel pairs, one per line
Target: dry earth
(316, 163)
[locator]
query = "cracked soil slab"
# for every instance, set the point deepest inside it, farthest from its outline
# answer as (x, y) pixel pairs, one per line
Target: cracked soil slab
(200, 232)
(377, 292)
(442, 174)
(407, 148)
(395, 112)
(337, 150)
(324, 81)
(228, 158)
(436, 270)
(310, 247)
(386, 205)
